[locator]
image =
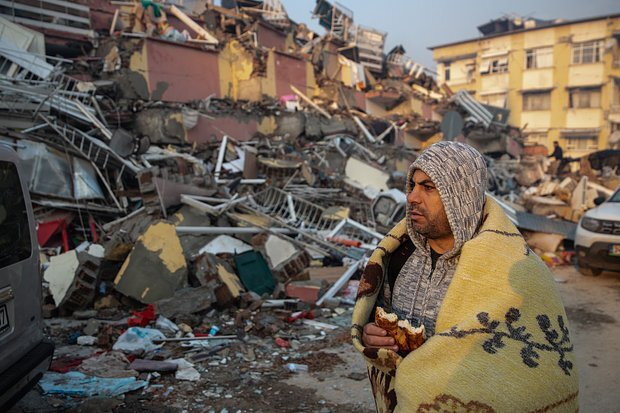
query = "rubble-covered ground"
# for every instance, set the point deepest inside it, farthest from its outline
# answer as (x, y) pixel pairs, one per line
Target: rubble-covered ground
(251, 375)
(248, 375)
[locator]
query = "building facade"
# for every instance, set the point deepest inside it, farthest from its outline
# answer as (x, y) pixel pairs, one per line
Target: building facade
(560, 79)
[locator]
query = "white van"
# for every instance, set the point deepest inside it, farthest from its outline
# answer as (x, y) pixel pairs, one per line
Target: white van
(25, 354)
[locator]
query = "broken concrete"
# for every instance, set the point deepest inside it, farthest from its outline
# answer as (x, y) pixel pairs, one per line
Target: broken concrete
(156, 266)
(209, 268)
(186, 301)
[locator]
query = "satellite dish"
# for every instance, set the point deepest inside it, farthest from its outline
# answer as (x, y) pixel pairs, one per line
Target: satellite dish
(452, 125)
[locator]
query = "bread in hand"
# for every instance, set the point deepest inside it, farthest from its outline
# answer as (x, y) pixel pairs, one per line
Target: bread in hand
(407, 337)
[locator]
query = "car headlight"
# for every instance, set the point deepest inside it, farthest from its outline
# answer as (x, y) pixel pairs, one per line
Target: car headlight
(591, 224)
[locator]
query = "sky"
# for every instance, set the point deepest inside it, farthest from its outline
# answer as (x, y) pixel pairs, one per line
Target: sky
(418, 25)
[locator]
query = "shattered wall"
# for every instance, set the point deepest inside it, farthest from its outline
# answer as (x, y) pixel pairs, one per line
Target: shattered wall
(177, 72)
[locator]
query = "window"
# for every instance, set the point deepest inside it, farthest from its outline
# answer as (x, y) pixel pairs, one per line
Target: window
(15, 243)
(494, 65)
(539, 58)
(584, 98)
(536, 139)
(446, 72)
(588, 52)
(581, 142)
(537, 101)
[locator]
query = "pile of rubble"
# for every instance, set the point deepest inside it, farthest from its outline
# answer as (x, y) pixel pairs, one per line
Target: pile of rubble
(210, 166)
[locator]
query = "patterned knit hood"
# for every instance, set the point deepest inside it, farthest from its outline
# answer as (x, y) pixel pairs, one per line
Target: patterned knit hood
(459, 173)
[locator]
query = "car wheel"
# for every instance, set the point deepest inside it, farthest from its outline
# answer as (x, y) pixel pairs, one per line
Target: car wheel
(589, 272)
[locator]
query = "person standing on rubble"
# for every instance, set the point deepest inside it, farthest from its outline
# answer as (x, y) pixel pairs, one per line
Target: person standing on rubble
(497, 337)
(557, 153)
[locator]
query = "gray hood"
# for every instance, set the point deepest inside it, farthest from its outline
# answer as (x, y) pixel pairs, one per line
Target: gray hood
(459, 173)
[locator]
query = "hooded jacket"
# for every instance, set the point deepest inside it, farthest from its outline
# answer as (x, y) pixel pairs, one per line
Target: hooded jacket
(459, 173)
(501, 340)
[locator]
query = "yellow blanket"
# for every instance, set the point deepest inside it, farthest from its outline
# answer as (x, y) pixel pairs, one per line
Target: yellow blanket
(501, 344)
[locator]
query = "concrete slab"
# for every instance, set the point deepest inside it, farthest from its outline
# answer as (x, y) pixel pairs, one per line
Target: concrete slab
(156, 266)
(60, 274)
(279, 250)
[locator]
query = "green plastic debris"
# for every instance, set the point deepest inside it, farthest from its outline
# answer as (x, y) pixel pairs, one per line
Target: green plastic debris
(254, 272)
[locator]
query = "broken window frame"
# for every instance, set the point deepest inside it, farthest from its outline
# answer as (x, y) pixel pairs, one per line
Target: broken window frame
(587, 52)
(584, 98)
(536, 101)
(539, 58)
(485, 66)
(308, 219)
(494, 65)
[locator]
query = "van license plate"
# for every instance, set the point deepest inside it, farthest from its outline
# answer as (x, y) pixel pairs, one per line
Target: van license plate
(614, 250)
(4, 318)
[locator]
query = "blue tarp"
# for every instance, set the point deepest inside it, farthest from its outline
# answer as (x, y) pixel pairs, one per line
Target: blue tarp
(77, 384)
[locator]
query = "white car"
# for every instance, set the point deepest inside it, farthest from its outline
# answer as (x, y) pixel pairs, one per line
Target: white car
(597, 241)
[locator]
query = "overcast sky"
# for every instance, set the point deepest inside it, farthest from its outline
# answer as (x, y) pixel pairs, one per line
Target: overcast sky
(419, 24)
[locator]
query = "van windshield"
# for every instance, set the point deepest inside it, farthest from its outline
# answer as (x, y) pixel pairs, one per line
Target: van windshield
(15, 242)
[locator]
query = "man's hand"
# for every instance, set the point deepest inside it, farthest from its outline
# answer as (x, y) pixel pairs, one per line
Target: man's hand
(374, 336)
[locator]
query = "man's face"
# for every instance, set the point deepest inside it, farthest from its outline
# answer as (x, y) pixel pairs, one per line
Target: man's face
(428, 216)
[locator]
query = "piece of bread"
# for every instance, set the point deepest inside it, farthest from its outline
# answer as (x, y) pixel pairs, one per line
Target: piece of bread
(415, 336)
(407, 337)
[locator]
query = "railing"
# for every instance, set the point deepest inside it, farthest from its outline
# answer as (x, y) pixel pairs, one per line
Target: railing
(28, 83)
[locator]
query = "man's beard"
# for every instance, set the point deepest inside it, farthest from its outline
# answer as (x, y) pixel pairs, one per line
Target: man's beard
(433, 228)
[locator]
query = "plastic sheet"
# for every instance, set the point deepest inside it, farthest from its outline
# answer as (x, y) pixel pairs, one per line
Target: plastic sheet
(81, 385)
(137, 339)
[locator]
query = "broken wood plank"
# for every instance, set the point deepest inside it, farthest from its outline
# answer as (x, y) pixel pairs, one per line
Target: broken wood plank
(310, 102)
(200, 31)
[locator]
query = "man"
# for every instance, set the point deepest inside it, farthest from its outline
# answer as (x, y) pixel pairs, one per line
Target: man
(557, 152)
(560, 160)
(497, 333)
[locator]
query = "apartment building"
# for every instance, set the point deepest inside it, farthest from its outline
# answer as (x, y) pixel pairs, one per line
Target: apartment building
(560, 79)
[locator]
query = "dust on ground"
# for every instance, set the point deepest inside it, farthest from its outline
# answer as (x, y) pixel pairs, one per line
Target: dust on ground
(336, 380)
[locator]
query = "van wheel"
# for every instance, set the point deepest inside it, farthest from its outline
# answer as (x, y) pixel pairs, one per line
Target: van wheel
(589, 272)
